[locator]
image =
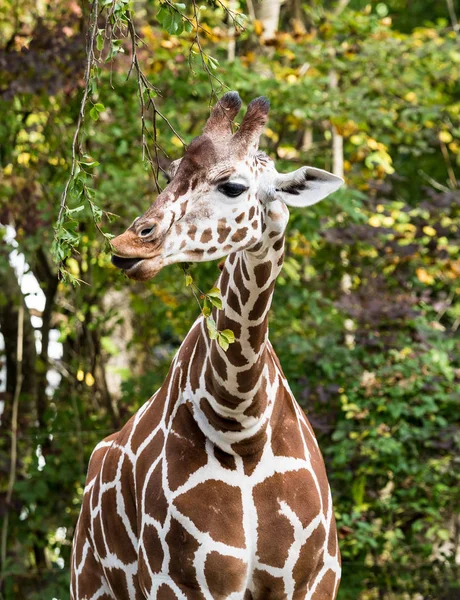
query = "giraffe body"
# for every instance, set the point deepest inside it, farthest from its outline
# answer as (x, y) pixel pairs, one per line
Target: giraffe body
(216, 487)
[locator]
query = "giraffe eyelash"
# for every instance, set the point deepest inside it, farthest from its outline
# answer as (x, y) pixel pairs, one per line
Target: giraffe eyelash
(232, 190)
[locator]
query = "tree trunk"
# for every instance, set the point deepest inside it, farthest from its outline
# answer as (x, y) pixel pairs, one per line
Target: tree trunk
(268, 13)
(337, 139)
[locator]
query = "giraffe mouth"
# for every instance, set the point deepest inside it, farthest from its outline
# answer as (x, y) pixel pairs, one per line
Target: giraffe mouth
(139, 269)
(125, 264)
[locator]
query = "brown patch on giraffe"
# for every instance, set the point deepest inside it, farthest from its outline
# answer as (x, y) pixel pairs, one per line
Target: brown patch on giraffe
(254, 224)
(280, 260)
(206, 236)
(217, 391)
(257, 247)
(212, 249)
(257, 334)
(233, 301)
(145, 579)
(223, 230)
(251, 212)
(225, 322)
(297, 490)
(115, 530)
(240, 234)
(88, 586)
(223, 282)
(317, 462)
(244, 269)
(235, 355)
(182, 547)
(310, 559)
(226, 460)
(238, 279)
(218, 364)
(178, 228)
(261, 303)
(217, 421)
(182, 244)
(156, 503)
(286, 439)
(262, 273)
(225, 575)
(273, 234)
(194, 183)
(228, 248)
(251, 449)
(183, 208)
(192, 232)
(278, 244)
(332, 540)
(153, 548)
(127, 491)
(326, 587)
(195, 253)
(223, 517)
(267, 586)
(186, 445)
(165, 593)
(240, 217)
(196, 365)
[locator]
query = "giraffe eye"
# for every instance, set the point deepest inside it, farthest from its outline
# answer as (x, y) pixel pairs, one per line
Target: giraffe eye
(232, 189)
(147, 231)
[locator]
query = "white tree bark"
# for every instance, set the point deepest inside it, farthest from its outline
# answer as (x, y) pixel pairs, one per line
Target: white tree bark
(337, 139)
(268, 13)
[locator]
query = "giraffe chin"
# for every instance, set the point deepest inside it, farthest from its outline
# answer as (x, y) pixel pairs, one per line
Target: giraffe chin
(145, 269)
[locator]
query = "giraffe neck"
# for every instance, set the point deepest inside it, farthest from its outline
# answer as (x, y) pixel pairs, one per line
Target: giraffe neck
(233, 396)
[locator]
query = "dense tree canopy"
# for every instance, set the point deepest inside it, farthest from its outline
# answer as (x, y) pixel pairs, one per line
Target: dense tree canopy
(366, 312)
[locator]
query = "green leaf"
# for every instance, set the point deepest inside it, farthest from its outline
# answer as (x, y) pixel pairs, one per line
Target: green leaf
(188, 280)
(228, 335)
(93, 113)
(223, 343)
(99, 106)
(74, 211)
(217, 302)
(206, 311)
(100, 40)
(214, 293)
(212, 329)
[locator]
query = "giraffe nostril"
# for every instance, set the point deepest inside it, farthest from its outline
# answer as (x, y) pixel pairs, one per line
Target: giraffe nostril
(147, 231)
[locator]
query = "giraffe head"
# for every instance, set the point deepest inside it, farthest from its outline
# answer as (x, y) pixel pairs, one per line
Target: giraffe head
(218, 197)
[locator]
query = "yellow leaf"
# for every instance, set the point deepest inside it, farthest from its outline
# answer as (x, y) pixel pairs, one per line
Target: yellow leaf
(89, 380)
(445, 137)
(428, 230)
(411, 97)
(374, 221)
(424, 277)
(258, 27)
(80, 375)
(175, 141)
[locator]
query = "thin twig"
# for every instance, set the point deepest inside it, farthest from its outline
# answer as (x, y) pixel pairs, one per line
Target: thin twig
(450, 171)
(90, 59)
(453, 18)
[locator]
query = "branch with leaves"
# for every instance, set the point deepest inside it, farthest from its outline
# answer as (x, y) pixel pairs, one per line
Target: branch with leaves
(205, 301)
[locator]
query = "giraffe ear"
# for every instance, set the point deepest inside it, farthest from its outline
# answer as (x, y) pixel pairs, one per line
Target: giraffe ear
(306, 186)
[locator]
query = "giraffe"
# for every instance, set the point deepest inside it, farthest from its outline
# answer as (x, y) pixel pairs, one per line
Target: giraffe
(216, 487)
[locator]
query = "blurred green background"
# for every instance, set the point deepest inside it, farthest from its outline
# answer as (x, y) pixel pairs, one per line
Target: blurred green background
(366, 312)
